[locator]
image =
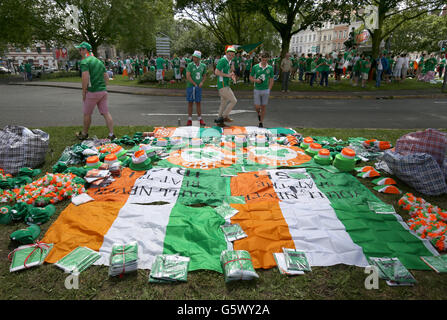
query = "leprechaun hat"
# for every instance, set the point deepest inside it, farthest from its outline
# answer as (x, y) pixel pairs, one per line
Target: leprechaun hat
(323, 157)
(345, 160)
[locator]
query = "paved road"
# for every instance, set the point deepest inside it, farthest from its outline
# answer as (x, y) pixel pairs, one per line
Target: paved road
(45, 106)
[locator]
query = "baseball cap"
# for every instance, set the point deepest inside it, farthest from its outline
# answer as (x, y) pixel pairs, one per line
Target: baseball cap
(197, 54)
(84, 45)
(231, 49)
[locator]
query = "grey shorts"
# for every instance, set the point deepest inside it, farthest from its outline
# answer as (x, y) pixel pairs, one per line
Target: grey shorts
(261, 97)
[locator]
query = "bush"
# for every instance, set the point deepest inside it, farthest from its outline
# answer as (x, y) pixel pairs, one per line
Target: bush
(59, 74)
(150, 76)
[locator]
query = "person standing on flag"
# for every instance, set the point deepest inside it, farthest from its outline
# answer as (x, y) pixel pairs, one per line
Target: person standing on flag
(195, 76)
(262, 76)
(94, 92)
(227, 98)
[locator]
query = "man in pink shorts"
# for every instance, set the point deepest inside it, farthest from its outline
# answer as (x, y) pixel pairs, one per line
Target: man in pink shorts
(94, 91)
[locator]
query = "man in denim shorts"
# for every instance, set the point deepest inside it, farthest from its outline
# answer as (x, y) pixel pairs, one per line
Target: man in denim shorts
(263, 77)
(94, 92)
(195, 76)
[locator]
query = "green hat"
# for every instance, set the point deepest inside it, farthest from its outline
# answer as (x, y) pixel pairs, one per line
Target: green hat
(84, 45)
(26, 236)
(140, 161)
(5, 215)
(78, 171)
(60, 167)
(40, 215)
(29, 172)
(20, 210)
(231, 49)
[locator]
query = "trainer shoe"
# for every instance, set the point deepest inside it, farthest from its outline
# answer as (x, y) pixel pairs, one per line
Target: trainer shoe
(189, 123)
(227, 119)
(81, 136)
(260, 125)
(202, 123)
(112, 137)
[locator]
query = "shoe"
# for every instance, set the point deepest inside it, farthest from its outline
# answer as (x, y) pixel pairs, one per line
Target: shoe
(228, 119)
(112, 137)
(81, 136)
(219, 121)
(202, 123)
(189, 123)
(260, 125)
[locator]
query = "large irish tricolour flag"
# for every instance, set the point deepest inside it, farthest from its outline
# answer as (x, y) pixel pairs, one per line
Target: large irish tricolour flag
(171, 210)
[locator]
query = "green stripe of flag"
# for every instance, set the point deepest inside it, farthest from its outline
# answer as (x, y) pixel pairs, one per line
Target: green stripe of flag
(379, 235)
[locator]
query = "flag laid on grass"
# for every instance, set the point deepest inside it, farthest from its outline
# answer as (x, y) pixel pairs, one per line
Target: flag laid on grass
(324, 214)
(169, 211)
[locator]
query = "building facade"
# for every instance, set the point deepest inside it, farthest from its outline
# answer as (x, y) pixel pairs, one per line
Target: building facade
(38, 54)
(329, 38)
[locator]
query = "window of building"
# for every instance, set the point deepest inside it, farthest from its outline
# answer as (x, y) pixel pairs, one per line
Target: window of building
(344, 34)
(324, 38)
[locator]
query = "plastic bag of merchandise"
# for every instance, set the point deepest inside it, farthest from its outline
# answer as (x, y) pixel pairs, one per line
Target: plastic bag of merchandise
(21, 147)
(168, 268)
(237, 265)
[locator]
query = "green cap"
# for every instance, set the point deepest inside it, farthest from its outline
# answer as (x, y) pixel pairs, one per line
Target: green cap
(26, 236)
(40, 215)
(231, 49)
(5, 214)
(84, 45)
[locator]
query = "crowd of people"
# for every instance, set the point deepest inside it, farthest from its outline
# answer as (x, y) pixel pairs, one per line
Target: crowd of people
(261, 70)
(314, 69)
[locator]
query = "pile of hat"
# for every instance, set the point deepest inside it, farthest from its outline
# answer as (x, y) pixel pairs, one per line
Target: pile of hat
(51, 188)
(428, 221)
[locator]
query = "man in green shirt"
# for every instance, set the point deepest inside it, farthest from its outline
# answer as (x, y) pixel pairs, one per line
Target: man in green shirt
(263, 77)
(227, 98)
(441, 67)
(323, 68)
(365, 66)
(301, 67)
(237, 65)
(176, 66)
(195, 77)
(247, 70)
(28, 68)
(160, 65)
(94, 91)
(309, 60)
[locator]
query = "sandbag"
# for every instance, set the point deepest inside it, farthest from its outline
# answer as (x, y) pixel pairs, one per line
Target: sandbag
(21, 147)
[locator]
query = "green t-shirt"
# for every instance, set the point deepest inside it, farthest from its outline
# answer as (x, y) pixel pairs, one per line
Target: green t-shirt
(294, 62)
(160, 62)
(96, 69)
(152, 68)
(146, 62)
(265, 74)
(248, 63)
(302, 62)
(197, 73)
(176, 63)
(442, 62)
(309, 64)
(28, 67)
(430, 64)
(357, 65)
(365, 66)
(21, 68)
(237, 61)
(224, 66)
(324, 64)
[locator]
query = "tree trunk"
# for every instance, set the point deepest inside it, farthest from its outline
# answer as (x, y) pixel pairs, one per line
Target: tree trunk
(444, 83)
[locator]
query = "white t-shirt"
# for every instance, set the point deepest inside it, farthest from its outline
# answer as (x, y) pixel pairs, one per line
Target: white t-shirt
(399, 63)
(406, 62)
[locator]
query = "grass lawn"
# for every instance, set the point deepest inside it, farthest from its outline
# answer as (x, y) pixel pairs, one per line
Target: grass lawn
(336, 282)
(210, 83)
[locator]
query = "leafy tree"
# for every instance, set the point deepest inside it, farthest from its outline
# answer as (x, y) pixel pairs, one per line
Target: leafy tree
(392, 14)
(230, 21)
(289, 17)
(421, 34)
